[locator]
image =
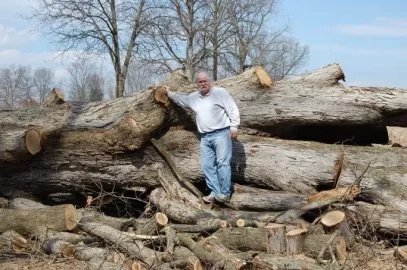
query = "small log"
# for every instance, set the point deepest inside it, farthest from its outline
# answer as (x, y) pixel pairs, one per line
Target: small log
(70, 237)
(123, 241)
(247, 223)
(153, 225)
(209, 256)
(212, 244)
(193, 262)
(101, 264)
(207, 226)
(264, 200)
(336, 220)
(88, 215)
(171, 236)
(174, 168)
(85, 253)
(244, 239)
(59, 247)
(276, 237)
(295, 241)
(54, 97)
(13, 241)
(314, 243)
(177, 210)
(18, 145)
(174, 190)
(36, 222)
(23, 203)
(275, 262)
(401, 254)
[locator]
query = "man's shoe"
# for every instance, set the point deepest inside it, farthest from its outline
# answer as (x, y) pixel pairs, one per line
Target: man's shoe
(222, 198)
(209, 199)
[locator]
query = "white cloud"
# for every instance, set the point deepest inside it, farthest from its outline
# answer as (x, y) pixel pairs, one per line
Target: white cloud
(11, 36)
(381, 27)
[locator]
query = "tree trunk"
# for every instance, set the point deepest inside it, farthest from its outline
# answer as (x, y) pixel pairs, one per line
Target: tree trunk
(244, 239)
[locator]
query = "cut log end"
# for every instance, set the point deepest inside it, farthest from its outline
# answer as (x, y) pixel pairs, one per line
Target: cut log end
(55, 97)
(160, 96)
(333, 218)
(71, 217)
(161, 219)
(33, 141)
(263, 77)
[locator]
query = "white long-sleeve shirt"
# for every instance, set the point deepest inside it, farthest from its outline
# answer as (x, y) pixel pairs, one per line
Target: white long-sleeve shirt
(215, 110)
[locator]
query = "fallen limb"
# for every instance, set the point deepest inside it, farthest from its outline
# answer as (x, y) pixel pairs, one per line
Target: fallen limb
(124, 242)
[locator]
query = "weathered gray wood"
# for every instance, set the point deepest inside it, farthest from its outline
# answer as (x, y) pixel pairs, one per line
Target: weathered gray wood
(314, 243)
(292, 166)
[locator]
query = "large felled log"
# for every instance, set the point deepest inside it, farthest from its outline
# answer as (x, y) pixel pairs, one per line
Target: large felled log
(300, 167)
(388, 221)
(37, 222)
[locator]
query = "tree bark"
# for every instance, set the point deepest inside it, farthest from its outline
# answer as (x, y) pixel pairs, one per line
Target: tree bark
(244, 239)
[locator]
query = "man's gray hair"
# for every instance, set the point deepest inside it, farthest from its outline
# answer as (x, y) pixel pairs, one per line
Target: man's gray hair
(202, 73)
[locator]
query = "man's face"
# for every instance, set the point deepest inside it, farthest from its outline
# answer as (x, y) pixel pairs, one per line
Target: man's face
(203, 83)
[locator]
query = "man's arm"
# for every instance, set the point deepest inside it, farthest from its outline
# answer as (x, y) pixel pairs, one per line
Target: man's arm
(232, 111)
(180, 99)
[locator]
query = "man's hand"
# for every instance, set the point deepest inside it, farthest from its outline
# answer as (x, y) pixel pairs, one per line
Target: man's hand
(166, 89)
(233, 134)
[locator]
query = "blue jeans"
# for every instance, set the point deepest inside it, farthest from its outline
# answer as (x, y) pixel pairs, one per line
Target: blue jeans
(216, 158)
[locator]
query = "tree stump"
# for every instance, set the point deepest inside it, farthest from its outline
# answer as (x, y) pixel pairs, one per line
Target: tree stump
(276, 237)
(336, 220)
(295, 241)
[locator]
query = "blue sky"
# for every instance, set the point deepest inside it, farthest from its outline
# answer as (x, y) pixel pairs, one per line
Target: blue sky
(367, 38)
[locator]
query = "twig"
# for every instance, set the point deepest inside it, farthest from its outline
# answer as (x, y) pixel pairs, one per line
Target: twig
(357, 181)
(321, 253)
(174, 169)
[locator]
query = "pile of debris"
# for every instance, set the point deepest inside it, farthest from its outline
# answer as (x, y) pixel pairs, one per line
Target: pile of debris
(313, 171)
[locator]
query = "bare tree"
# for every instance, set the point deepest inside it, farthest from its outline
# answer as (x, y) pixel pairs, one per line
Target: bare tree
(14, 85)
(179, 39)
(95, 85)
(80, 72)
(141, 75)
(281, 56)
(43, 78)
(248, 19)
(98, 26)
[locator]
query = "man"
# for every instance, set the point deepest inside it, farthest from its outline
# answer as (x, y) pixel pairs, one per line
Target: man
(217, 119)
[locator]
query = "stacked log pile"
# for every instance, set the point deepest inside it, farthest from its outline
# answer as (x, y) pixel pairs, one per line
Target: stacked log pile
(298, 201)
